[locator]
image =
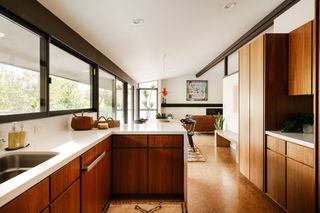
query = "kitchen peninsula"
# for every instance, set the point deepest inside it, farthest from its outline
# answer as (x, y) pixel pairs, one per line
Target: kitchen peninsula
(153, 155)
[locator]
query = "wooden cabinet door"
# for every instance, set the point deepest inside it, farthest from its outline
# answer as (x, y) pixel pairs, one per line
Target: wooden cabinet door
(300, 60)
(300, 187)
(276, 177)
(129, 171)
(95, 186)
(165, 171)
(68, 201)
(33, 200)
(244, 109)
(256, 111)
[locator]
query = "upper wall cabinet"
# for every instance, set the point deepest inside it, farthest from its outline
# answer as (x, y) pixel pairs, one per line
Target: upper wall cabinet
(300, 60)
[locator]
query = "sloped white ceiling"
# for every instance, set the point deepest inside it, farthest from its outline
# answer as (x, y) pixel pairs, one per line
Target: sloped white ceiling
(189, 32)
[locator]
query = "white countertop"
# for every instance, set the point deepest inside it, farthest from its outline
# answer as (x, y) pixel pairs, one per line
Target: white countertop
(303, 139)
(69, 145)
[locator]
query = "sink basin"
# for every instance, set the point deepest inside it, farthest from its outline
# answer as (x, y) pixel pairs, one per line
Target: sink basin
(14, 164)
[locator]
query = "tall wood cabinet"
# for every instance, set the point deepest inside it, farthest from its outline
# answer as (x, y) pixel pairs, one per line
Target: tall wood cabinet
(264, 100)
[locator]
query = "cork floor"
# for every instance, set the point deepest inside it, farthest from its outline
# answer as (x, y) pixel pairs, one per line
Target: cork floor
(218, 186)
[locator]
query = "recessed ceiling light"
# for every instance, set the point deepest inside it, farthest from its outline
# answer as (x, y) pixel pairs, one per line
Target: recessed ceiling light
(229, 5)
(137, 21)
(2, 35)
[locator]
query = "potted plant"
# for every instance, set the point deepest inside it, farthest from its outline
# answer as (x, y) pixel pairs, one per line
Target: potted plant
(219, 122)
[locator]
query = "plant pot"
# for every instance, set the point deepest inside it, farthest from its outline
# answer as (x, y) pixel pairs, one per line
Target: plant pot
(307, 128)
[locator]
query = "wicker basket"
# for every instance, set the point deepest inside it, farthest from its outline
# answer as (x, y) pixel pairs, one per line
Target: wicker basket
(82, 122)
(101, 120)
(113, 123)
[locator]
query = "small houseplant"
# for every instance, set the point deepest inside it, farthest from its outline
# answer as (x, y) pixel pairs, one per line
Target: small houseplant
(219, 122)
(303, 122)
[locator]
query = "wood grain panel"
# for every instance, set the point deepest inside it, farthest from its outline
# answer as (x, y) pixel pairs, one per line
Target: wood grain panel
(256, 111)
(165, 171)
(279, 106)
(276, 177)
(64, 177)
(155, 141)
(69, 201)
(276, 144)
(244, 109)
(46, 210)
(32, 201)
(300, 153)
(300, 60)
(129, 171)
(127, 141)
(300, 187)
(95, 184)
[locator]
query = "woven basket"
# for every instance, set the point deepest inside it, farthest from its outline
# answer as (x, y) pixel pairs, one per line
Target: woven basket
(101, 120)
(113, 123)
(82, 122)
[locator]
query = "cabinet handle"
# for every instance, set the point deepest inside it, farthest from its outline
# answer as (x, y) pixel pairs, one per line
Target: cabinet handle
(99, 158)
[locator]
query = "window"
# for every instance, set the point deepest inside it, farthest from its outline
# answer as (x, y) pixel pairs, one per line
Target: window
(70, 86)
(148, 100)
(106, 94)
(120, 100)
(19, 69)
(130, 103)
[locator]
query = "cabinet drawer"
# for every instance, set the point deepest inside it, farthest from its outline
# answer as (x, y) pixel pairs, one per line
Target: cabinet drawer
(64, 177)
(88, 157)
(69, 201)
(129, 141)
(165, 141)
(33, 200)
(276, 144)
(300, 153)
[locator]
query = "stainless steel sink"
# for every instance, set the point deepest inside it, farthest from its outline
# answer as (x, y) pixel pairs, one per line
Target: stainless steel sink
(14, 164)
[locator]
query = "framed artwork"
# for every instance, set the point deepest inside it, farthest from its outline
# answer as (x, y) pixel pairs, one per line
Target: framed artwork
(197, 90)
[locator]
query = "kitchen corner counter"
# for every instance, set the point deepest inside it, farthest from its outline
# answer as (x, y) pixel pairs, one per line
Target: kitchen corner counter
(303, 139)
(71, 144)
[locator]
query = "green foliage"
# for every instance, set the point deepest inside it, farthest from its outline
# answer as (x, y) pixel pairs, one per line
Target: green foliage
(296, 124)
(219, 122)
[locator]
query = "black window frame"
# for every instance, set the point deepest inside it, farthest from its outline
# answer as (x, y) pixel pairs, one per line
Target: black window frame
(93, 88)
(45, 40)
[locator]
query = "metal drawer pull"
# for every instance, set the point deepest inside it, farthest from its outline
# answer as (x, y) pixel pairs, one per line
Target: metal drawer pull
(99, 158)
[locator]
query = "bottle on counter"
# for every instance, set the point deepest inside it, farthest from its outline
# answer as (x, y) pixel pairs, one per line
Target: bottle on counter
(13, 137)
(22, 136)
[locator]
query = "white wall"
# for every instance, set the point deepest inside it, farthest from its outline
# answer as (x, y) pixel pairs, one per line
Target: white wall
(39, 129)
(297, 15)
(230, 102)
(177, 92)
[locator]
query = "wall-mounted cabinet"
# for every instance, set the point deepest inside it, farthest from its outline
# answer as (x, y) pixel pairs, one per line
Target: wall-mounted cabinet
(300, 61)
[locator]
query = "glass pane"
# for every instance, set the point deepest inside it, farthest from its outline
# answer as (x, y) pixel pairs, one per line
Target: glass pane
(149, 84)
(130, 104)
(148, 99)
(119, 93)
(19, 69)
(70, 87)
(106, 93)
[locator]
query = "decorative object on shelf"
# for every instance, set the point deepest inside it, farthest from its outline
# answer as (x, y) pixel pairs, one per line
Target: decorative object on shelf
(113, 123)
(164, 92)
(219, 122)
(303, 122)
(197, 90)
(82, 122)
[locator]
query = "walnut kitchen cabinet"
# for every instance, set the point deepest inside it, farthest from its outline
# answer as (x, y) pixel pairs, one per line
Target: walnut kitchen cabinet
(33, 200)
(129, 164)
(165, 165)
(301, 60)
(95, 177)
(276, 170)
(290, 175)
(264, 101)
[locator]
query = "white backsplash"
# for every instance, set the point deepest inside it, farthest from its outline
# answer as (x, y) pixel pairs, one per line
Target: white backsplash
(41, 128)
